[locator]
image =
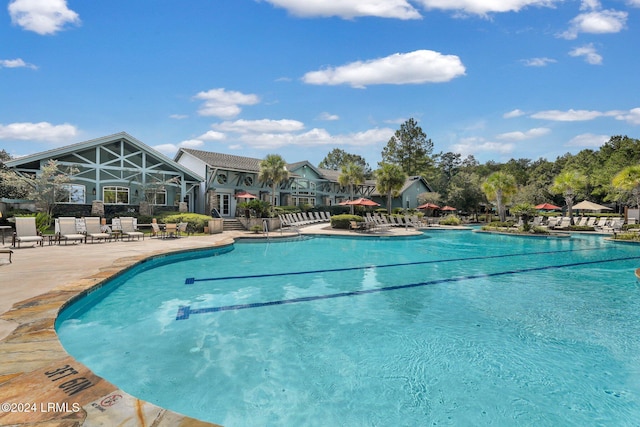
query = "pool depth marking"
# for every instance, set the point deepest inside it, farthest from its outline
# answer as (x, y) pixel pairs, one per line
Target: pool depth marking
(185, 311)
(192, 280)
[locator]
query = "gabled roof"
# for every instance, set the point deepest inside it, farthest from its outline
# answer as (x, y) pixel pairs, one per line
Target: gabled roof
(67, 149)
(408, 183)
(220, 160)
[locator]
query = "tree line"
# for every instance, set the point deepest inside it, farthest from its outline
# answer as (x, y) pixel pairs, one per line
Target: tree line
(607, 175)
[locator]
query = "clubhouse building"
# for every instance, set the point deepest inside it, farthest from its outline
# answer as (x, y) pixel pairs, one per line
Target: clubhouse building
(123, 173)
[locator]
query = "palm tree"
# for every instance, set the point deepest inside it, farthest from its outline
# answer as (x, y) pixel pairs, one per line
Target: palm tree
(273, 171)
(500, 186)
(389, 180)
(569, 183)
(628, 179)
(351, 175)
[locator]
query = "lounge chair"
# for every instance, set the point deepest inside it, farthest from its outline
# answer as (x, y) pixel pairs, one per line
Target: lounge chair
(66, 230)
(26, 231)
(583, 221)
(129, 229)
(615, 226)
(565, 222)
(94, 229)
(601, 223)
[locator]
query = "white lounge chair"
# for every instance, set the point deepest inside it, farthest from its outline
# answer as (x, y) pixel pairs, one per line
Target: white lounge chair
(66, 230)
(94, 229)
(129, 229)
(26, 231)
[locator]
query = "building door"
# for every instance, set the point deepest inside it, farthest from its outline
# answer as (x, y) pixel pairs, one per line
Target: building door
(224, 204)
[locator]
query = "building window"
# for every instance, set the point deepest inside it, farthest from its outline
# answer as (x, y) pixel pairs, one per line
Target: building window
(222, 179)
(248, 181)
(115, 195)
(156, 197)
(72, 193)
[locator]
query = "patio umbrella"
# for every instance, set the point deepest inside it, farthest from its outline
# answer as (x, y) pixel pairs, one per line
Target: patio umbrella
(429, 206)
(362, 201)
(449, 208)
(547, 207)
(586, 205)
(245, 195)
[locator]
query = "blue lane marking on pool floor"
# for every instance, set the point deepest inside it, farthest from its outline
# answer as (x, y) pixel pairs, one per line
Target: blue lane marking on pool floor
(185, 311)
(192, 280)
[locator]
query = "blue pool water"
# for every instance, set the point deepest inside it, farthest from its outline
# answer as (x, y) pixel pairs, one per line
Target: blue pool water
(457, 328)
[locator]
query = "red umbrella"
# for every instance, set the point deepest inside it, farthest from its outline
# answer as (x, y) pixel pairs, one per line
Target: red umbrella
(429, 206)
(547, 207)
(245, 195)
(361, 202)
(449, 208)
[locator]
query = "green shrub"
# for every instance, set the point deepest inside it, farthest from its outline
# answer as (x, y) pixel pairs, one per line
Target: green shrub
(581, 228)
(344, 221)
(450, 220)
(196, 222)
(539, 230)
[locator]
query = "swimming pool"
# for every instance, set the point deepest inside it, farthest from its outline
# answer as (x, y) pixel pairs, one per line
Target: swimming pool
(457, 328)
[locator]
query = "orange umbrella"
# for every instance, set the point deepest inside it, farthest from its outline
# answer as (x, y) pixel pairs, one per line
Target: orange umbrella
(449, 208)
(429, 206)
(547, 207)
(362, 201)
(245, 195)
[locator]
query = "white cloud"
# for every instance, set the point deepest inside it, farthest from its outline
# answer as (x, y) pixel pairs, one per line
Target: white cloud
(589, 52)
(328, 117)
(634, 3)
(483, 7)
(16, 63)
(538, 62)
(512, 114)
(171, 149)
(475, 145)
(567, 116)
(596, 22)
(521, 136)
(349, 9)
(212, 136)
(223, 103)
(632, 116)
(42, 131)
(42, 16)
(590, 5)
(420, 66)
(259, 126)
(316, 136)
(588, 140)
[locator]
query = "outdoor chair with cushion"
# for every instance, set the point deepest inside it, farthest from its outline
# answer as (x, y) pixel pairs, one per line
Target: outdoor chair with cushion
(129, 229)
(94, 229)
(171, 230)
(66, 230)
(26, 231)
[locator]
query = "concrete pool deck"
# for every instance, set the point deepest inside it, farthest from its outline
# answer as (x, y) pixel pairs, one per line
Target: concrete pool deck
(40, 384)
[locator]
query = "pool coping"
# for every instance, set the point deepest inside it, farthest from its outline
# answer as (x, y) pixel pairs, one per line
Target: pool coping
(43, 385)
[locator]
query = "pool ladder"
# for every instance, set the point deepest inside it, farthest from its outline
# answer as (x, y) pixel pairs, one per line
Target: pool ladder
(265, 227)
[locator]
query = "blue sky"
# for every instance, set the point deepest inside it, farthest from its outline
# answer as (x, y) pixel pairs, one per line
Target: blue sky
(496, 79)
